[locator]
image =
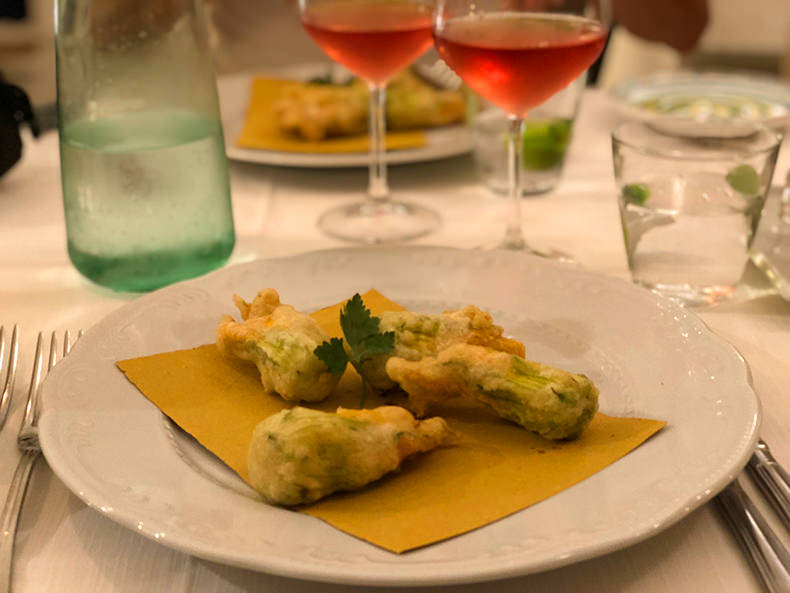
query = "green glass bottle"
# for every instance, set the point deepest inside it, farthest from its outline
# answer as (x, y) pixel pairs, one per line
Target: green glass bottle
(145, 181)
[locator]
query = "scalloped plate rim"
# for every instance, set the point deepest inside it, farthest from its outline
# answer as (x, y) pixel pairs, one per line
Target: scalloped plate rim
(449, 571)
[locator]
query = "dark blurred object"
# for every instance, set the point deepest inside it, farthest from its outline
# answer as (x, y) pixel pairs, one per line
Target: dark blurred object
(15, 110)
(13, 9)
(46, 117)
(595, 70)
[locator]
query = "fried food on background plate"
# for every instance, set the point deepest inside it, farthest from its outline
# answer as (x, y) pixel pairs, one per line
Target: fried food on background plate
(413, 103)
(300, 455)
(419, 335)
(317, 111)
(554, 403)
(280, 341)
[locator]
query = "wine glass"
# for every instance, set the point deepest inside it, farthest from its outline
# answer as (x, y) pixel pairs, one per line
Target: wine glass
(517, 54)
(374, 39)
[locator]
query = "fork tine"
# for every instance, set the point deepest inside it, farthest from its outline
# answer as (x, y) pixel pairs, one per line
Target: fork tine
(5, 398)
(2, 345)
(66, 343)
(53, 351)
(52, 359)
(35, 379)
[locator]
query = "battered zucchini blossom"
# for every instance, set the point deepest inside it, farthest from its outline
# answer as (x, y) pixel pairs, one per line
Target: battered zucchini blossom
(300, 455)
(280, 341)
(554, 403)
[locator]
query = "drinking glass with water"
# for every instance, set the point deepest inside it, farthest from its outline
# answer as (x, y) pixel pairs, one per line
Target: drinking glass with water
(144, 173)
(546, 135)
(690, 203)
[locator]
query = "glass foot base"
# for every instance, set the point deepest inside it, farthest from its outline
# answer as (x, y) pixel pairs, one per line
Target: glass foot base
(383, 222)
(529, 188)
(687, 295)
(519, 244)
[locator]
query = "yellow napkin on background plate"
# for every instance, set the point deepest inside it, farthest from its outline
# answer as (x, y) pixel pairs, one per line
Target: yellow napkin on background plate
(496, 469)
(260, 128)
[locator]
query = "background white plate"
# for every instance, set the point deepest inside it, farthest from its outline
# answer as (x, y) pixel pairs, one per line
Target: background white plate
(233, 90)
(117, 452)
(767, 99)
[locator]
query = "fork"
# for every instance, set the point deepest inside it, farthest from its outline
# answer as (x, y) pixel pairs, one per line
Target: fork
(27, 441)
(11, 355)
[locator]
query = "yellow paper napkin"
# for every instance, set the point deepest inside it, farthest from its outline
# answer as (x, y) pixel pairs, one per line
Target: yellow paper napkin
(496, 469)
(261, 132)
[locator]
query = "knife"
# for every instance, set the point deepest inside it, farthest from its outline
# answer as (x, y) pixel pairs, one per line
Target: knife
(766, 553)
(784, 209)
(772, 479)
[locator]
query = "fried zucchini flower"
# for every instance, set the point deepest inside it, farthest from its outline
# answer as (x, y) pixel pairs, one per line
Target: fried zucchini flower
(554, 403)
(419, 335)
(300, 455)
(320, 111)
(280, 341)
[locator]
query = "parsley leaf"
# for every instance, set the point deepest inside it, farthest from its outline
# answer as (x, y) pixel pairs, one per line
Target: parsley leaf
(357, 324)
(364, 339)
(333, 355)
(379, 344)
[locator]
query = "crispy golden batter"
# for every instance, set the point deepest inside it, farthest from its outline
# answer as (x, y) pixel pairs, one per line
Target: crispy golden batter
(551, 402)
(318, 111)
(419, 335)
(280, 341)
(413, 103)
(300, 455)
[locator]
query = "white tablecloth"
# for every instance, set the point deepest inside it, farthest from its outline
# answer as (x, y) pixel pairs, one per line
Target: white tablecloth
(64, 546)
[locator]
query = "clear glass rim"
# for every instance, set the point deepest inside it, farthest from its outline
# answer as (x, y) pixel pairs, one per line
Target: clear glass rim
(680, 155)
(603, 18)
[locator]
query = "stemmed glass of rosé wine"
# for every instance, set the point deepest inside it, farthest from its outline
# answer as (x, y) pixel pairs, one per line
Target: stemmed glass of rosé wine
(517, 54)
(374, 39)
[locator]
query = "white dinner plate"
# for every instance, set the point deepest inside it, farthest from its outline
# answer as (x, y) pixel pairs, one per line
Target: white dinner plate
(650, 358)
(234, 93)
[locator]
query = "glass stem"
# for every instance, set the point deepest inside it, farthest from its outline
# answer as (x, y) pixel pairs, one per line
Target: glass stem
(514, 238)
(377, 186)
(784, 212)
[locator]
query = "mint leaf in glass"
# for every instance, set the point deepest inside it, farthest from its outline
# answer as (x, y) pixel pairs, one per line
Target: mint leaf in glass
(744, 179)
(545, 143)
(636, 193)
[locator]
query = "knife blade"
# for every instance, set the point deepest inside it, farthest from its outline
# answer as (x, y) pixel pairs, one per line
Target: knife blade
(772, 479)
(765, 552)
